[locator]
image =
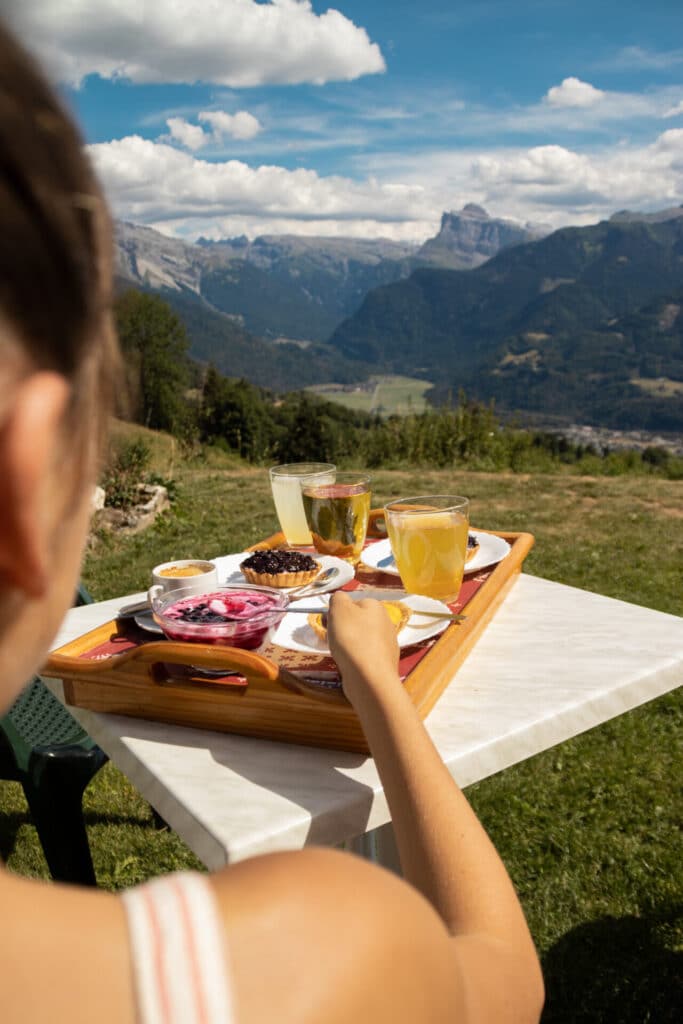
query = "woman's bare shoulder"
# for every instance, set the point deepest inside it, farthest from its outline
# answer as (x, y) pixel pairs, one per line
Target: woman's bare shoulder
(323, 935)
(312, 935)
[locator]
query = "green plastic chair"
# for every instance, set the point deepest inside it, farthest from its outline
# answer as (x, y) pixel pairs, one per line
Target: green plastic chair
(43, 747)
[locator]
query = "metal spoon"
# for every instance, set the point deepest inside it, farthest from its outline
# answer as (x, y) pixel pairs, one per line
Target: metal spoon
(449, 616)
(310, 588)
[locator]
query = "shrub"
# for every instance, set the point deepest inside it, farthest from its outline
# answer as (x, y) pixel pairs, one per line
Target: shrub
(124, 471)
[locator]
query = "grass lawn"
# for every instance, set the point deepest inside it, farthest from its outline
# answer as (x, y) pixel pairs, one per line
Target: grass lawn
(590, 830)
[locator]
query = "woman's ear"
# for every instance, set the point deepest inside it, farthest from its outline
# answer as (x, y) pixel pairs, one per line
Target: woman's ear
(30, 441)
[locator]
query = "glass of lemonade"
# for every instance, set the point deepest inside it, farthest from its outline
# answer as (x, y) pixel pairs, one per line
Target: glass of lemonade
(337, 515)
(428, 537)
(285, 482)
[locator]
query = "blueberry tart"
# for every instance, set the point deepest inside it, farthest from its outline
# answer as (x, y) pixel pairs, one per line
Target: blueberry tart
(272, 568)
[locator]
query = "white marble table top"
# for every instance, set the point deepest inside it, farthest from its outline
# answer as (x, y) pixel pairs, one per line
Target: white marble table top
(554, 661)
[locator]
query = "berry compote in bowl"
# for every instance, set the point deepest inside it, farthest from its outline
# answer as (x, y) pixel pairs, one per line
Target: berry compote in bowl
(227, 616)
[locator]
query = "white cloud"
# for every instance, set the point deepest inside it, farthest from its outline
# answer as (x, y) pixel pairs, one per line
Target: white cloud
(541, 166)
(623, 111)
(151, 182)
(572, 92)
(674, 111)
(554, 183)
(397, 196)
(637, 58)
(228, 42)
(232, 227)
(192, 136)
(670, 142)
(241, 125)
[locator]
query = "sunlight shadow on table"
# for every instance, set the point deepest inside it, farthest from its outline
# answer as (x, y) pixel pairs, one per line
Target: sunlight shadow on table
(334, 805)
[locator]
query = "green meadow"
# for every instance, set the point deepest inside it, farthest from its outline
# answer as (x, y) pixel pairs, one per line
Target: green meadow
(386, 396)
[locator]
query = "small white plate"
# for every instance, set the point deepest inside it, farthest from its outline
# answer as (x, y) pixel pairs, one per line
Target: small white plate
(145, 620)
(492, 549)
(295, 633)
(229, 574)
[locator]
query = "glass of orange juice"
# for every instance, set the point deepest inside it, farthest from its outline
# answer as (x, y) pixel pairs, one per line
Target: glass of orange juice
(428, 536)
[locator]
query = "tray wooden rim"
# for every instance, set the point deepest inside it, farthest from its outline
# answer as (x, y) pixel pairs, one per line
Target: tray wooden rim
(270, 687)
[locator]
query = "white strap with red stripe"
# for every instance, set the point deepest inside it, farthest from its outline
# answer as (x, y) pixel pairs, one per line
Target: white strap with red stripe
(178, 952)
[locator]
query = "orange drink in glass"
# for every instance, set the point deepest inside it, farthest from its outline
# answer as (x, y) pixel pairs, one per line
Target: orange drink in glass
(428, 536)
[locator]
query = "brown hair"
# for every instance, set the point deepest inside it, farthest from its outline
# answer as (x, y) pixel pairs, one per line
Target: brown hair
(55, 241)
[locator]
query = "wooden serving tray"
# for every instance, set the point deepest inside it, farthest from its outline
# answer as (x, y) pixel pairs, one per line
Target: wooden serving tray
(267, 695)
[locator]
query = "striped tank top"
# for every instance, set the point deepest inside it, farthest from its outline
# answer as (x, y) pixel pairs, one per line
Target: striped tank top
(178, 952)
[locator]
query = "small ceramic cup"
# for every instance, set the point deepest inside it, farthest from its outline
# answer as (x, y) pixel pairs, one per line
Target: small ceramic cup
(194, 574)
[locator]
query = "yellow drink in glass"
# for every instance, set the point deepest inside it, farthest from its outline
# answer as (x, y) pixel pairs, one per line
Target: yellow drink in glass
(338, 515)
(285, 482)
(429, 541)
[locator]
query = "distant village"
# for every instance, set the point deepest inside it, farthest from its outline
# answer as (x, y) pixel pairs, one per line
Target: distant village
(619, 440)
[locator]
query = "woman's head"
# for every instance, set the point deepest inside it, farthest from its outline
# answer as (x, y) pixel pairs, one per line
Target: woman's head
(55, 248)
(57, 358)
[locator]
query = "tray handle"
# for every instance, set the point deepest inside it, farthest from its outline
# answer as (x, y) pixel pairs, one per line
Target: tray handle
(207, 656)
(377, 527)
(254, 667)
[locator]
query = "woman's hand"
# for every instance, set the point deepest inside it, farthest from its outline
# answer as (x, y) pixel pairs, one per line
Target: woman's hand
(363, 643)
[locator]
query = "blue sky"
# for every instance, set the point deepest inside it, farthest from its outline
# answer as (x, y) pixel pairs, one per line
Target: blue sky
(222, 117)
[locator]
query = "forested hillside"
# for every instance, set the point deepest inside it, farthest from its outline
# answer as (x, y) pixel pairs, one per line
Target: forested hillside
(165, 389)
(217, 338)
(581, 324)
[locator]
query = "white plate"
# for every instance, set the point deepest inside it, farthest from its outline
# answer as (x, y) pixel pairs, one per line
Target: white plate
(295, 633)
(145, 620)
(229, 574)
(491, 550)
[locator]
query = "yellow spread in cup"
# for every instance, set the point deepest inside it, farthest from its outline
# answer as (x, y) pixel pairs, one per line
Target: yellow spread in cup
(183, 570)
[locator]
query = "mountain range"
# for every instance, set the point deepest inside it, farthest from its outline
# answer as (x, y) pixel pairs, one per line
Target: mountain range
(291, 287)
(582, 323)
(585, 323)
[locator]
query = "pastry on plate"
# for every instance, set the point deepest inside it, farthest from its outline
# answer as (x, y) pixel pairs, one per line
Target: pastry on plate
(472, 547)
(273, 568)
(398, 612)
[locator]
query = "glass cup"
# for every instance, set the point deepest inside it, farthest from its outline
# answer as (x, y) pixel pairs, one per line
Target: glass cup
(285, 483)
(428, 537)
(337, 515)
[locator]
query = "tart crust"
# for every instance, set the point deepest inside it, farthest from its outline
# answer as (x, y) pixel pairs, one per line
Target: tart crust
(472, 548)
(398, 612)
(280, 579)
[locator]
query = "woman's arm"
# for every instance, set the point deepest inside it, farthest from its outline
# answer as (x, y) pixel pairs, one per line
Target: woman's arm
(323, 936)
(445, 853)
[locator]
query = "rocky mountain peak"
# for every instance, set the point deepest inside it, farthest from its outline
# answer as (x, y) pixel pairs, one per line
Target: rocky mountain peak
(474, 210)
(471, 236)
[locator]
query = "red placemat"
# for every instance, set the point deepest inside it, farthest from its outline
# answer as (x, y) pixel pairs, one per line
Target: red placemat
(322, 670)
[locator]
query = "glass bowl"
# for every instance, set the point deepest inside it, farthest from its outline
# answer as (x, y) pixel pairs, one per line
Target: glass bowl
(227, 616)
